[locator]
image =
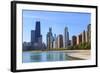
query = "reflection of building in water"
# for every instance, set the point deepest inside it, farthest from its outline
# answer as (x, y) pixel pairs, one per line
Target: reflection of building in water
(36, 57)
(47, 56)
(56, 56)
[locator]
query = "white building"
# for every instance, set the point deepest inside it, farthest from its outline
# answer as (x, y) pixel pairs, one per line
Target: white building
(66, 38)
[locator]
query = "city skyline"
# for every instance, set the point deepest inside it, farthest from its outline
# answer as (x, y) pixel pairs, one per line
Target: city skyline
(59, 41)
(30, 17)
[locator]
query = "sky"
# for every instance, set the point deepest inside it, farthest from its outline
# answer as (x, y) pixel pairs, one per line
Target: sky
(75, 21)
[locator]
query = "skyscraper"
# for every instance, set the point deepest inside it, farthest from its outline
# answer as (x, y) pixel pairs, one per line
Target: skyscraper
(36, 37)
(74, 40)
(40, 39)
(66, 37)
(49, 39)
(69, 44)
(32, 37)
(57, 39)
(79, 39)
(54, 41)
(60, 41)
(89, 33)
(37, 31)
(83, 36)
(86, 36)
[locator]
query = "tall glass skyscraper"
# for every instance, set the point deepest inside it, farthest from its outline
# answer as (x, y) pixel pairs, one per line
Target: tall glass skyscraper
(32, 37)
(66, 37)
(89, 33)
(49, 39)
(36, 37)
(83, 37)
(74, 40)
(60, 41)
(37, 31)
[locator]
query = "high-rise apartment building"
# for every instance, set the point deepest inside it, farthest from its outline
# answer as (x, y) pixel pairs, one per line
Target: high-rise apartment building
(37, 31)
(89, 33)
(54, 41)
(66, 38)
(83, 36)
(60, 41)
(49, 39)
(86, 36)
(32, 37)
(74, 40)
(36, 37)
(79, 39)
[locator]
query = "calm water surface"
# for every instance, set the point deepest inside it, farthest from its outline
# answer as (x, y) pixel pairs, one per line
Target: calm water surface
(44, 56)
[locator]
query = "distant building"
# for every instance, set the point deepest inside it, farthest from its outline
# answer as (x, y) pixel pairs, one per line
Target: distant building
(49, 39)
(36, 37)
(57, 39)
(79, 39)
(69, 44)
(60, 41)
(40, 39)
(86, 36)
(54, 41)
(89, 33)
(37, 31)
(44, 46)
(74, 40)
(32, 37)
(54, 44)
(66, 38)
(26, 46)
(83, 36)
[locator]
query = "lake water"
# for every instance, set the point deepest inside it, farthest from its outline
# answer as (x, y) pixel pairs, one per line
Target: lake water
(45, 56)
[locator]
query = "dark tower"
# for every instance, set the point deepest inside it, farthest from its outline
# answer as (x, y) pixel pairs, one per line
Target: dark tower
(37, 31)
(32, 37)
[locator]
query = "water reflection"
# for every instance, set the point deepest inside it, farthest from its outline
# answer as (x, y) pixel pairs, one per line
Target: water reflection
(45, 56)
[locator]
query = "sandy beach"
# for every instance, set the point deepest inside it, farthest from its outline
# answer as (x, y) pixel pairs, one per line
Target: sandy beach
(83, 54)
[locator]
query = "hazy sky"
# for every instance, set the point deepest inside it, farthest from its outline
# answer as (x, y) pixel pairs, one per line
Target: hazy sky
(76, 22)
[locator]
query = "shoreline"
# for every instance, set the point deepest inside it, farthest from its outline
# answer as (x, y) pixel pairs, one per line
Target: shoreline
(52, 50)
(82, 54)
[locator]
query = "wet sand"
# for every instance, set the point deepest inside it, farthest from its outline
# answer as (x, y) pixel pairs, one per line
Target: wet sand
(82, 54)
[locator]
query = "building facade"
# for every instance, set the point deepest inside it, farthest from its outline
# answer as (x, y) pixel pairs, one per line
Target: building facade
(89, 33)
(36, 37)
(32, 37)
(37, 31)
(66, 38)
(83, 36)
(49, 39)
(60, 41)
(79, 39)
(74, 40)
